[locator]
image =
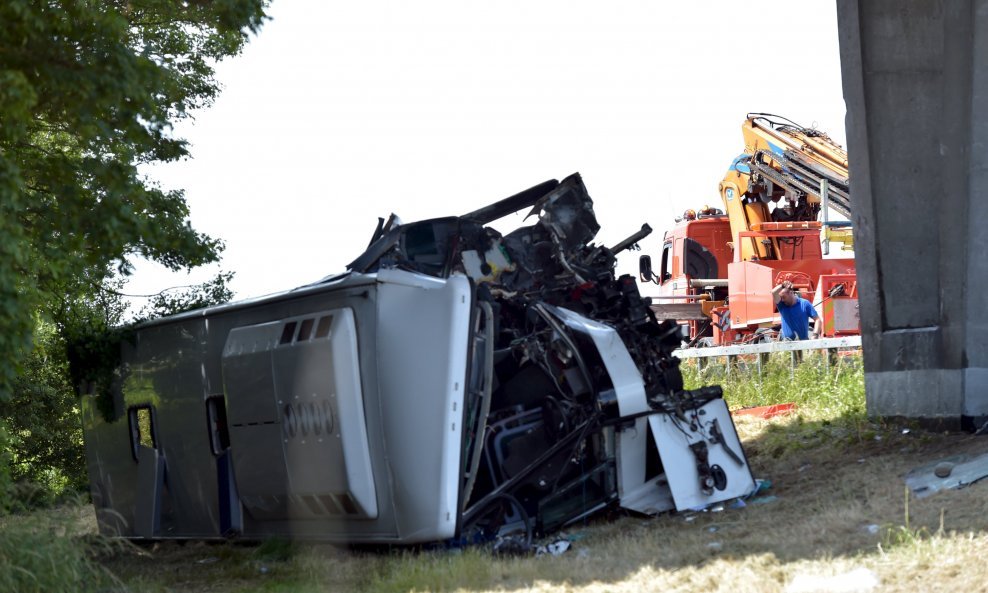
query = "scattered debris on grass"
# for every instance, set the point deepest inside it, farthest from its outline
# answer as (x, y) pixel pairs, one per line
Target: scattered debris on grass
(766, 412)
(952, 473)
(859, 580)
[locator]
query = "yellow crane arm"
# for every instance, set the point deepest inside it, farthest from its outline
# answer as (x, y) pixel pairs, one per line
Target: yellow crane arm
(782, 159)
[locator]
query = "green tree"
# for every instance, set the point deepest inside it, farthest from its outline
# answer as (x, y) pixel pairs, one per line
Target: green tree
(45, 456)
(42, 418)
(89, 90)
(211, 292)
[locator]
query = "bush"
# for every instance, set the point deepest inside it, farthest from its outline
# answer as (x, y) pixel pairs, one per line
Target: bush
(45, 456)
(40, 558)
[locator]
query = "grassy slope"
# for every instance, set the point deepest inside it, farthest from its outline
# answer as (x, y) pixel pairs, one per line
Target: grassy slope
(834, 474)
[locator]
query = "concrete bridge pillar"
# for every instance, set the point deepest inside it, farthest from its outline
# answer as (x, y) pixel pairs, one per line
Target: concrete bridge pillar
(915, 77)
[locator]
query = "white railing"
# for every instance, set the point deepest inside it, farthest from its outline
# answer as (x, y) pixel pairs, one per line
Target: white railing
(765, 348)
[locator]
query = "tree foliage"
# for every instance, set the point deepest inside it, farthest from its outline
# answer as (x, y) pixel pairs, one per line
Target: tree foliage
(211, 292)
(43, 454)
(45, 448)
(88, 92)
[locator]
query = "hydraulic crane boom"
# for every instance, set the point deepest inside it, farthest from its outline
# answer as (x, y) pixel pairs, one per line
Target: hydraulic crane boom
(783, 164)
(717, 269)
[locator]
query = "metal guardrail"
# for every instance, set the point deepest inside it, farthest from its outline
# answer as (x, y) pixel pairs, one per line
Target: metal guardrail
(768, 347)
(764, 349)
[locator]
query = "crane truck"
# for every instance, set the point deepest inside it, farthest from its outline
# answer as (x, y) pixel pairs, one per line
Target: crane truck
(718, 267)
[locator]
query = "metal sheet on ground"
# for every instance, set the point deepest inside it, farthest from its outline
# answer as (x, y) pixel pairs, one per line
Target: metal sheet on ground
(959, 472)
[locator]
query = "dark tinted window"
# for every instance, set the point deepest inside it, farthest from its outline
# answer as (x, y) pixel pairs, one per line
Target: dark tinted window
(288, 333)
(322, 330)
(305, 330)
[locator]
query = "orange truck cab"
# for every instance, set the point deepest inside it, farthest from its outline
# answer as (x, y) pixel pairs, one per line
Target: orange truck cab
(717, 269)
(722, 300)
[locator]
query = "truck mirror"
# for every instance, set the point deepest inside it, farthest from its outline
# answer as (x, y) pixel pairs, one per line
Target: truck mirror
(645, 268)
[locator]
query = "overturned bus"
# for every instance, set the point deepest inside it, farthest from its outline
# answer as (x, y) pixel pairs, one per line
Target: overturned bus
(454, 383)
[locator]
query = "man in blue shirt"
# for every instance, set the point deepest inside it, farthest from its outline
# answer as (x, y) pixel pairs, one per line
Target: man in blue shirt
(796, 313)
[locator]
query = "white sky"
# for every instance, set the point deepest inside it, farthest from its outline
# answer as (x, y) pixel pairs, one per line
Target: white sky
(340, 112)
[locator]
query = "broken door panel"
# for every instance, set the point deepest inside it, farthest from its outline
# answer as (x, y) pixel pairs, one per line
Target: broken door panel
(702, 455)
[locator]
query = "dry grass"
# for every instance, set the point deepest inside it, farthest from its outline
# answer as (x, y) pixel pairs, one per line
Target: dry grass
(827, 499)
(840, 507)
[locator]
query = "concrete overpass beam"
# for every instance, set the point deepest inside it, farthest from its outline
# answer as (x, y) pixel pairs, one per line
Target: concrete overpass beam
(915, 76)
